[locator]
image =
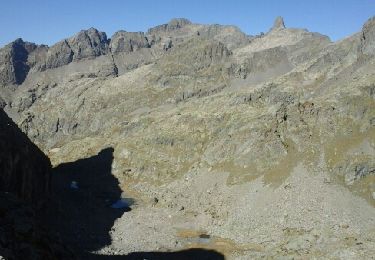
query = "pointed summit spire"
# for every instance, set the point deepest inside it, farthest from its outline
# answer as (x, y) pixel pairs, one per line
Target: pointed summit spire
(278, 24)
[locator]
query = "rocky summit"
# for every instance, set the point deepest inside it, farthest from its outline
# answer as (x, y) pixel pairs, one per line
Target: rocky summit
(194, 141)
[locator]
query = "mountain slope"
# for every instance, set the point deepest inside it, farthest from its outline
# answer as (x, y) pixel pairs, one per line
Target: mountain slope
(264, 142)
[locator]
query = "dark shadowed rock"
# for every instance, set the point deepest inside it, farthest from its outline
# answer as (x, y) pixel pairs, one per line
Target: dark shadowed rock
(24, 169)
(25, 176)
(21, 234)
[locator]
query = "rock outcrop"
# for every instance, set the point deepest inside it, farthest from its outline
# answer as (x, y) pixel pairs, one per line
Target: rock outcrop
(278, 24)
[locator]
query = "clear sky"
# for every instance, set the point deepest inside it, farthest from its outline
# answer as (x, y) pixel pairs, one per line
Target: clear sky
(48, 21)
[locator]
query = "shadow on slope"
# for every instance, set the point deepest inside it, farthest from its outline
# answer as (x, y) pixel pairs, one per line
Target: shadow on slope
(83, 192)
(189, 254)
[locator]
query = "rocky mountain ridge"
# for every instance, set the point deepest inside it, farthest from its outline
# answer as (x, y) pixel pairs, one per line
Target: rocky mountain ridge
(19, 57)
(209, 128)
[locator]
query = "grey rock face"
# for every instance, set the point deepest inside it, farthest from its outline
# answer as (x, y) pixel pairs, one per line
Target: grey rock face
(58, 55)
(88, 44)
(194, 55)
(13, 62)
(215, 51)
(123, 41)
(37, 58)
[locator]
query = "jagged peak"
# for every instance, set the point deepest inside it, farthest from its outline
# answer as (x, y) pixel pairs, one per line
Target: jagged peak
(278, 24)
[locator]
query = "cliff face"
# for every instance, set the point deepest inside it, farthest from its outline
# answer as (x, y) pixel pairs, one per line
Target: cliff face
(24, 169)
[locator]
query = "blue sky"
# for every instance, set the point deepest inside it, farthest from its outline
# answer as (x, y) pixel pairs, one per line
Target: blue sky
(48, 21)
